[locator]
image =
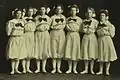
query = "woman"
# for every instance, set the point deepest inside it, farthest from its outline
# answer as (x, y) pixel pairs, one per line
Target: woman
(29, 39)
(42, 39)
(89, 46)
(106, 32)
(57, 36)
(16, 46)
(72, 51)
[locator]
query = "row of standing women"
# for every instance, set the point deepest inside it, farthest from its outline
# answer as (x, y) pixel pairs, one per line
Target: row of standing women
(30, 38)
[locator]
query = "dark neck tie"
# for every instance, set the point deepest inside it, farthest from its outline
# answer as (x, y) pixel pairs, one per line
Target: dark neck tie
(58, 20)
(88, 22)
(102, 24)
(18, 24)
(72, 19)
(44, 19)
(29, 19)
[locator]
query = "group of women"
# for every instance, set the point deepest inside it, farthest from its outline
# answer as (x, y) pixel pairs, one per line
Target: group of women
(57, 37)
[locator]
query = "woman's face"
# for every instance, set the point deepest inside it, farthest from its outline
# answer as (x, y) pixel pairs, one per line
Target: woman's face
(18, 14)
(73, 11)
(89, 13)
(30, 12)
(42, 10)
(102, 17)
(59, 10)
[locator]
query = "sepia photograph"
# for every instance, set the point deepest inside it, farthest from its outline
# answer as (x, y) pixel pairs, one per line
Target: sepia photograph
(59, 40)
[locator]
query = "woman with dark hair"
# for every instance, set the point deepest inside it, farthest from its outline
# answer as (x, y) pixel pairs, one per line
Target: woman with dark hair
(89, 46)
(29, 39)
(16, 46)
(42, 39)
(57, 36)
(106, 49)
(72, 50)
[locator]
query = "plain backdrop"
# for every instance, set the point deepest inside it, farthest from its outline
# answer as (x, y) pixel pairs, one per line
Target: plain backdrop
(5, 14)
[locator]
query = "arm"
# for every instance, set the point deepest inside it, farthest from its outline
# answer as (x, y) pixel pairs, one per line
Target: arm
(98, 32)
(58, 26)
(93, 27)
(112, 30)
(74, 26)
(45, 25)
(84, 28)
(9, 27)
(49, 24)
(80, 29)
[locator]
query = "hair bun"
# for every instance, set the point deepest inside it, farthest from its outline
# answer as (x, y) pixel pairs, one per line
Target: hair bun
(23, 10)
(94, 15)
(13, 12)
(48, 10)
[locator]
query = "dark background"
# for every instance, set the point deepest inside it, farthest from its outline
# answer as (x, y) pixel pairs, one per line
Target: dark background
(5, 13)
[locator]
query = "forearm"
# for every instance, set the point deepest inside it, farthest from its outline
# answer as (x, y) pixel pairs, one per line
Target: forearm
(58, 26)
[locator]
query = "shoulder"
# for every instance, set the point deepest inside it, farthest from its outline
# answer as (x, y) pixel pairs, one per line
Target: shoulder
(46, 16)
(63, 16)
(36, 17)
(84, 20)
(68, 18)
(94, 20)
(25, 17)
(109, 23)
(22, 20)
(11, 21)
(80, 19)
(54, 16)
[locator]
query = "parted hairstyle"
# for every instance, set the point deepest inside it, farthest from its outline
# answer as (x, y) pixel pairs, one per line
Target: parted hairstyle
(74, 6)
(105, 11)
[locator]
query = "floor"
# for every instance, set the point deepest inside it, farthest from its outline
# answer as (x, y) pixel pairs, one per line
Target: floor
(49, 76)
